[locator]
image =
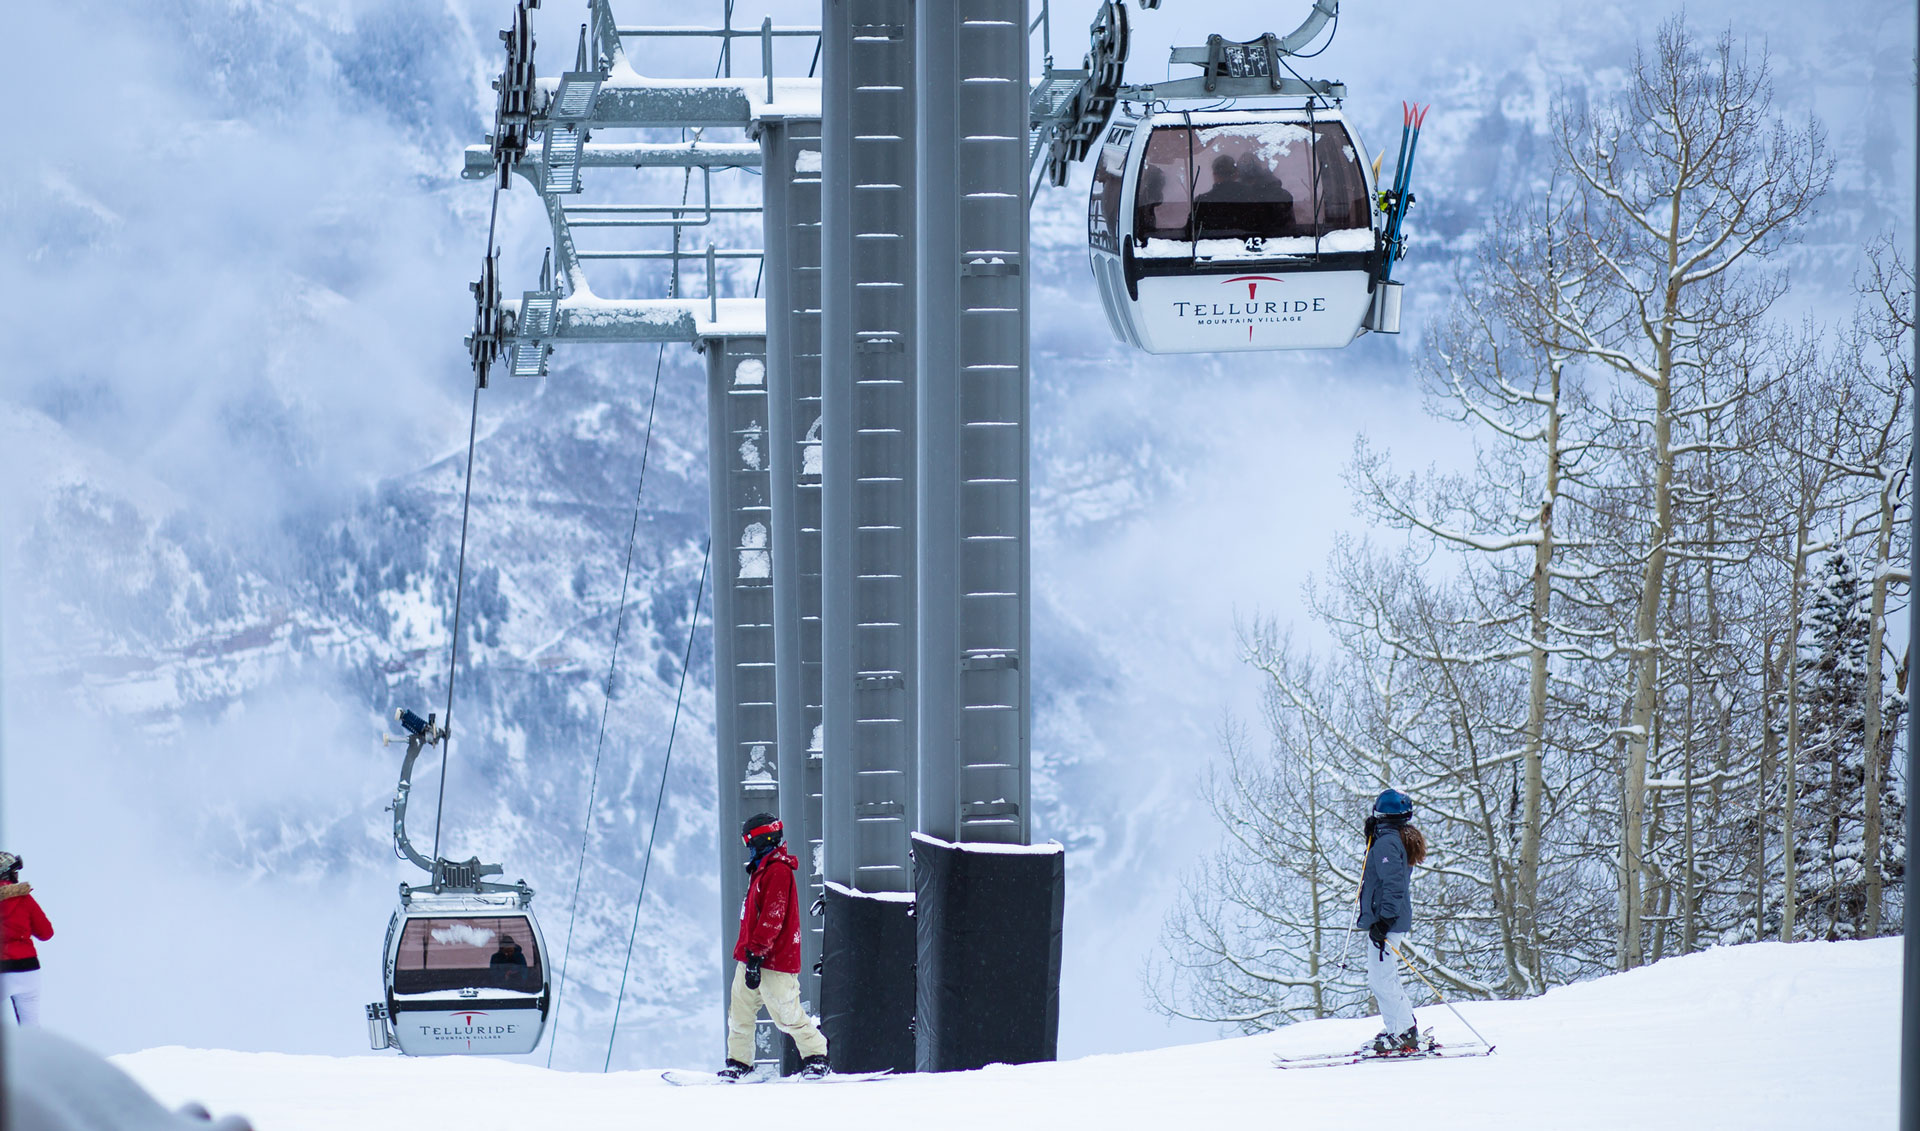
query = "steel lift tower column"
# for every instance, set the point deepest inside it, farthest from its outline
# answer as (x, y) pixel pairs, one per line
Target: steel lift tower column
(791, 159)
(868, 520)
(988, 917)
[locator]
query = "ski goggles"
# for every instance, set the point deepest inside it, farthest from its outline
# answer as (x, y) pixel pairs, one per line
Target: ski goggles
(758, 831)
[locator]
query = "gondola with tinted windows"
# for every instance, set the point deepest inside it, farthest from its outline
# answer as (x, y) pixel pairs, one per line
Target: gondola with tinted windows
(465, 964)
(1237, 210)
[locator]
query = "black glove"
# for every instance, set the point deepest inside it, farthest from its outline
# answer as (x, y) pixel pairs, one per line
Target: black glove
(1378, 933)
(753, 971)
(1372, 827)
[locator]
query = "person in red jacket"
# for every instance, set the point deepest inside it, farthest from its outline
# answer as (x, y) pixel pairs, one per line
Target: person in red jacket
(769, 955)
(21, 922)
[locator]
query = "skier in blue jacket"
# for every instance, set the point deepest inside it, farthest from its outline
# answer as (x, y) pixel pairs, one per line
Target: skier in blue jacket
(1386, 914)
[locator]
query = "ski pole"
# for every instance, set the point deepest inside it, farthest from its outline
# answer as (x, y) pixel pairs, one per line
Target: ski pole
(1443, 1001)
(1347, 944)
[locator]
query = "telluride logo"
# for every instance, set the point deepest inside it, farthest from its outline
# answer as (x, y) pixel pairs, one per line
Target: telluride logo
(1254, 310)
(467, 1030)
(1233, 309)
(470, 1030)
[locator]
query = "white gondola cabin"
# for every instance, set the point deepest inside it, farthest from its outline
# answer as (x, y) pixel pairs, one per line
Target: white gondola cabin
(465, 966)
(1247, 229)
(466, 973)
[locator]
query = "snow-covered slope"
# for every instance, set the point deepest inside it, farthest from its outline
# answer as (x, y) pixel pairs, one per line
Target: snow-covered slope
(1757, 1036)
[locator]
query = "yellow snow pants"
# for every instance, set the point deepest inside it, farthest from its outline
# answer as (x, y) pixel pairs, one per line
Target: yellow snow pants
(780, 993)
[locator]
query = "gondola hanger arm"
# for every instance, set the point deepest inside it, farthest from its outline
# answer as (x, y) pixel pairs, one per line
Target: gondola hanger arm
(462, 875)
(1308, 31)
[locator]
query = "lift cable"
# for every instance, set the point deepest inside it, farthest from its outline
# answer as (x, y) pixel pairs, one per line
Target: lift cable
(460, 578)
(606, 702)
(646, 865)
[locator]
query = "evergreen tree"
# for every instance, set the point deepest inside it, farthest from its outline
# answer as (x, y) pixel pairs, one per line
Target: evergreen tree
(1830, 809)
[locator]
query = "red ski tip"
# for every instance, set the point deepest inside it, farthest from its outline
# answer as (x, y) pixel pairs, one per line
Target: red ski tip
(1420, 115)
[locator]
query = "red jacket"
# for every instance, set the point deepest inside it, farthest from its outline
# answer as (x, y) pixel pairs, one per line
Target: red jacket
(21, 922)
(770, 918)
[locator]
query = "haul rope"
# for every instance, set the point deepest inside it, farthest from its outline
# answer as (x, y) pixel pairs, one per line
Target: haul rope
(646, 864)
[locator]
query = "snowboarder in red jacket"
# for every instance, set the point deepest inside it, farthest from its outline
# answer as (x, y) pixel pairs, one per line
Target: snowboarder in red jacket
(21, 922)
(769, 955)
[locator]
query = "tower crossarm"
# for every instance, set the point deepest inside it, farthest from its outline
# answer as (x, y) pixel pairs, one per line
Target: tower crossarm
(587, 318)
(627, 100)
(627, 155)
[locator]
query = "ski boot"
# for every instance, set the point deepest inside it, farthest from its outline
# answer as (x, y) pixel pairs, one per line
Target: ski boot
(1400, 1044)
(735, 1071)
(813, 1067)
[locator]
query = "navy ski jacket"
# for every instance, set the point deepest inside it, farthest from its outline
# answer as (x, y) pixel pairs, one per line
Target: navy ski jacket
(1383, 885)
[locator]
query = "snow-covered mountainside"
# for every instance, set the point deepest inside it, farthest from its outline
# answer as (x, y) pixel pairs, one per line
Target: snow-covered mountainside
(1759, 1036)
(232, 428)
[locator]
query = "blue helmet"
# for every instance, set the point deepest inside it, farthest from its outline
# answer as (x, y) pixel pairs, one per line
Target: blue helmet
(1393, 803)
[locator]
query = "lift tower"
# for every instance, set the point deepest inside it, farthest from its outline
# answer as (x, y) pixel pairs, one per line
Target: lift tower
(869, 477)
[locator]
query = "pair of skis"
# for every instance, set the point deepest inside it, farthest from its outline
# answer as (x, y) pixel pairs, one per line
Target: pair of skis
(1395, 201)
(1428, 1049)
(687, 1078)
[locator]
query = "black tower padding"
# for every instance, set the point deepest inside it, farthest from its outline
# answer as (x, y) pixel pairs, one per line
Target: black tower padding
(987, 925)
(866, 981)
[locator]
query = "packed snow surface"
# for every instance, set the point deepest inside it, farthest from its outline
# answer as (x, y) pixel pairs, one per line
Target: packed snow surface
(1757, 1036)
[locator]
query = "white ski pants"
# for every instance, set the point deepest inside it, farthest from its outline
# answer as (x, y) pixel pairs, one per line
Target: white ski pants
(1383, 978)
(780, 993)
(20, 990)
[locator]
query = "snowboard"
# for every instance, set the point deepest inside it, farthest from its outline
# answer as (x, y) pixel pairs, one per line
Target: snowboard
(832, 1077)
(687, 1078)
(691, 1078)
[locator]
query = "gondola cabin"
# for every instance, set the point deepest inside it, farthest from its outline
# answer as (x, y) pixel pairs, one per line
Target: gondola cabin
(466, 973)
(1236, 230)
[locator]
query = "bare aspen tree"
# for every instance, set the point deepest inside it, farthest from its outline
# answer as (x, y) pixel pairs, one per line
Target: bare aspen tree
(1807, 425)
(1813, 420)
(1878, 357)
(1770, 696)
(1713, 634)
(1506, 515)
(1681, 183)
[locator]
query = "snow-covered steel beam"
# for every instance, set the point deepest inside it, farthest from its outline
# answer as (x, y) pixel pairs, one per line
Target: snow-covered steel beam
(596, 155)
(629, 101)
(592, 320)
(1227, 86)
